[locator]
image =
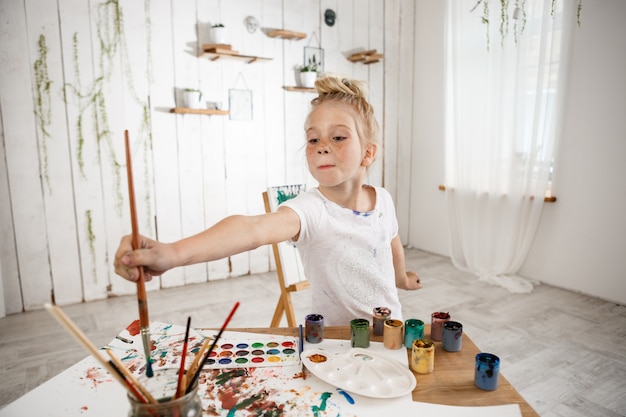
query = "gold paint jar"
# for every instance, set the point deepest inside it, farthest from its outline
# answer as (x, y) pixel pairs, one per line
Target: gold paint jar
(423, 356)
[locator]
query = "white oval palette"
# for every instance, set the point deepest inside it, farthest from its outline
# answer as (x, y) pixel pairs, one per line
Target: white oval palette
(360, 371)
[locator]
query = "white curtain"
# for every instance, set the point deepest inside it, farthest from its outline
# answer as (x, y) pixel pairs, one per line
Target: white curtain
(503, 99)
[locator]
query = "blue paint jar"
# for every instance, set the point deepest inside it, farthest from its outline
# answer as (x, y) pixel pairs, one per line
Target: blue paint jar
(413, 330)
(487, 371)
(452, 336)
(314, 328)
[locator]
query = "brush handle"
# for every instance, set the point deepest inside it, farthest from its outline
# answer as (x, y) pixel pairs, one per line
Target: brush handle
(195, 376)
(142, 297)
(180, 388)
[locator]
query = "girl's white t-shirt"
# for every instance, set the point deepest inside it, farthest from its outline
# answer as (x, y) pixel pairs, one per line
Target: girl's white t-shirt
(347, 256)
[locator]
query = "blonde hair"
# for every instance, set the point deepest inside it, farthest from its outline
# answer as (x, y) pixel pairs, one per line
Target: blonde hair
(335, 89)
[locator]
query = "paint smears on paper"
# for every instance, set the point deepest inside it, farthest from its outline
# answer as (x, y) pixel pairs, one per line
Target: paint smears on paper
(347, 396)
(273, 389)
(263, 391)
(134, 328)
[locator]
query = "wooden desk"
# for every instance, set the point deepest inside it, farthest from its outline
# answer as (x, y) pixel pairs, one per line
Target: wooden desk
(452, 381)
(86, 389)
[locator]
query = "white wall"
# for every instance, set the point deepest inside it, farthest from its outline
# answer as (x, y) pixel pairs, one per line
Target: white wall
(63, 193)
(581, 241)
(581, 244)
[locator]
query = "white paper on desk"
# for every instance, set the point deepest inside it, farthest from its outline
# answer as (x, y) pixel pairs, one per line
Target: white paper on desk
(85, 389)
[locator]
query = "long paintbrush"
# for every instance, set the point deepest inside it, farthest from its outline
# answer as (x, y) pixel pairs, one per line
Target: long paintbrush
(142, 298)
(195, 376)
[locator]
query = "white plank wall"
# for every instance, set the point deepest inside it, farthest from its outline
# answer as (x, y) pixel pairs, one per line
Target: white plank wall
(55, 160)
(63, 194)
(33, 283)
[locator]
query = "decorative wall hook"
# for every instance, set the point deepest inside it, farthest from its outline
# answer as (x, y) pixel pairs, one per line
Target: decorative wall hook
(252, 23)
(329, 17)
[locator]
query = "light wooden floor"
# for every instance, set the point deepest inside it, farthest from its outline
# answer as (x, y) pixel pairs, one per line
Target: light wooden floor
(564, 352)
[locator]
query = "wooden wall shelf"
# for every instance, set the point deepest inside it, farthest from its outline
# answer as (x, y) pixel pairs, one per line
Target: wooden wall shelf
(367, 57)
(300, 89)
(286, 34)
(210, 112)
(213, 56)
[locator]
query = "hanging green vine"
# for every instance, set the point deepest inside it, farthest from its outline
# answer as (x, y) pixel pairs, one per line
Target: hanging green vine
(519, 15)
(111, 40)
(92, 243)
(485, 19)
(43, 106)
(504, 20)
(519, 19)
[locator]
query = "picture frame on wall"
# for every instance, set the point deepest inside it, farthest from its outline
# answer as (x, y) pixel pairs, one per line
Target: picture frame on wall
(314, 57)
(240, 104)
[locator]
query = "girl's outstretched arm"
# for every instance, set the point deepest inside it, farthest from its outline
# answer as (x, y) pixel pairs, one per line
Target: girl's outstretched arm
(230, 236)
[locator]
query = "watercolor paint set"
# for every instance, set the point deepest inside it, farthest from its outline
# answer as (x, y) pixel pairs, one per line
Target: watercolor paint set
(253, 353)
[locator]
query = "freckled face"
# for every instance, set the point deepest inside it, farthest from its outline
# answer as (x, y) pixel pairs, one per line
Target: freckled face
(333, 150)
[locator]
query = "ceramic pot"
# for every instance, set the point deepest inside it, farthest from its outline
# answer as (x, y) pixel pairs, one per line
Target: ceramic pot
(307, 79)
(192, 99)
(218, 35)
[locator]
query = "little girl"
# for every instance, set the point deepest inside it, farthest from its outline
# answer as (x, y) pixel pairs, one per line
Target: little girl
(345, 230)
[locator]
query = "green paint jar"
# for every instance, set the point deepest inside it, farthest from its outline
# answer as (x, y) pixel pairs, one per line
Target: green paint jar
(413, 330)
(360, 333)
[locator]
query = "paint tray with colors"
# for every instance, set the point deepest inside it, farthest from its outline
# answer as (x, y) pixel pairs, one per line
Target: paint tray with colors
(253, 353)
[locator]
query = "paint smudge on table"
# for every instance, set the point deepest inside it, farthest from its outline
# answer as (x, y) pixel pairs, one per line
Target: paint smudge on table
(96, 376)
(347, 396)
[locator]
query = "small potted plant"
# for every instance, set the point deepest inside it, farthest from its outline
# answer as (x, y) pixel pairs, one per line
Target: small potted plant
(218, 34)
(192, 98)
(308, 73)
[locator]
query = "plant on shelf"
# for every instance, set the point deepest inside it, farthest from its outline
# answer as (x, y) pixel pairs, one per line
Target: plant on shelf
(308, 73)
(192, 98)
(218, 33)
(311, 66)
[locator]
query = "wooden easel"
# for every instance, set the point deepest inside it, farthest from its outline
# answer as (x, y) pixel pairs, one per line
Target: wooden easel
(284, 305)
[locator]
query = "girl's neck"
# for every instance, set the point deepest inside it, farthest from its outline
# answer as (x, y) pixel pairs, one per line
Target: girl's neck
(361, 197)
